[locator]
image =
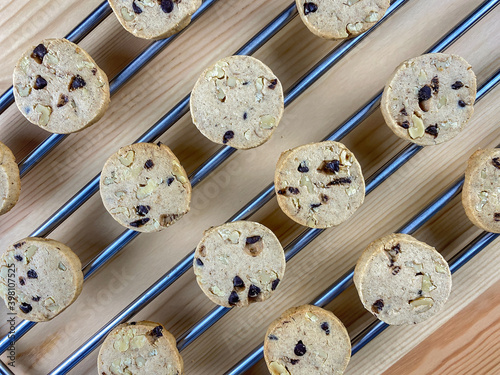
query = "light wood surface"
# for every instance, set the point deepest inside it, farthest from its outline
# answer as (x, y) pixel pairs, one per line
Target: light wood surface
(462, 339)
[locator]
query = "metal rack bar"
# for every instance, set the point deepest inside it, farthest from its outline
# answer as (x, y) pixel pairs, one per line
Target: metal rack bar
(75, 36)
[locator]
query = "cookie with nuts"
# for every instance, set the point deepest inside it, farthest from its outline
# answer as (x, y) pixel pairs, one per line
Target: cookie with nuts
(307, 340)
(481, 190)
(154, 19)
(429, 99)
(10, 181)
(401, 280)
(239, 263)
(47, 276)
(145, 188)
(340, 19)
(238, 102)
(319, 185)
(142, 348)
(59, 87)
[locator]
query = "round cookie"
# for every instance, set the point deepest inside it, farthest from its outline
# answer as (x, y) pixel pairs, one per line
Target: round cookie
(429, 99)
(401, 280)
(142, 348)
(319, 185)
(154, 19)
(239, 263)
(47, 276)
(145, 188)
(59, 87)
(237, 102)
(340, 19)
(307, 340)
(481, 190)
(10, 181)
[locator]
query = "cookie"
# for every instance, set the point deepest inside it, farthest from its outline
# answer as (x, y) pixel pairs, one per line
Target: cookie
(142, 348)
(10, 181)
(39, 278)
(319, 185)
(429, 99)
(58, 87)
(340, 19)
(145, 188)
(239, 263)
(481, 190)
(237, 102)
(401, 280)
(154, 19)
(307, 340)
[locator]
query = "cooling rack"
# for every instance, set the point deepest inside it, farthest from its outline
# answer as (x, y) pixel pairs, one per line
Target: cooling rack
(209, 166)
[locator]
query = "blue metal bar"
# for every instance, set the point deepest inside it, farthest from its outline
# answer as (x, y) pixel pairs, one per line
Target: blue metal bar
(75, 36)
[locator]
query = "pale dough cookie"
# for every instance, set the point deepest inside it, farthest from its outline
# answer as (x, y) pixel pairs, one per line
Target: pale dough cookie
(142, 348)
(154, 19)
(319, 185)
(10, 181)
(47, 276)
(481, 191)
(237, 102)
(58, 87)
(145, 188)
(401, 280)
(429, 99)
(340, 19)
(239, 263)
(307, 340)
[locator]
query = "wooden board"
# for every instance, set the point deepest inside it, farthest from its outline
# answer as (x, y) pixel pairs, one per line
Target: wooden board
(462, 339)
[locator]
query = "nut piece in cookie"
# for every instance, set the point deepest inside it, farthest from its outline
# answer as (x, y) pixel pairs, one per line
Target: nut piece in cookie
(239, 263)
(10, 180)
(401, 280)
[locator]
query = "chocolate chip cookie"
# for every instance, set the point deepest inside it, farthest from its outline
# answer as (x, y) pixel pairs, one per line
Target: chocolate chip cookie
(10, 181)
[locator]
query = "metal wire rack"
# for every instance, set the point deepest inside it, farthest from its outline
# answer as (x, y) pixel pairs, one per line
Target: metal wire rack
(261, 199)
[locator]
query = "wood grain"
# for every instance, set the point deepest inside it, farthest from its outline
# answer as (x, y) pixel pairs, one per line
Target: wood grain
(462, 339)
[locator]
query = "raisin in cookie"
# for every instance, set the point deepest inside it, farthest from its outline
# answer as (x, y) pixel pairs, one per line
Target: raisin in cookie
(58, 87)
(307, 340)
(154, 19)
(481, 191)
(401, 280)
(145, 188)
(47, 277)
(429, 99)
(10, 181)
(237, 102)
(340, 19)
(319, 185)
(239, 263)
(142, 348)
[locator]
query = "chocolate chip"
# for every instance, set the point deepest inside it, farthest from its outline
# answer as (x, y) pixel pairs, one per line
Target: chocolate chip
(39, 52)
(291, 190)
(167, 6)
(136, 9)
(340, 181)
(300, 349)
(94, 71)
(325, 327)
(253, 291)
(157, 331)
(330, 166)
(457, 85)
(432, 130)
(395, 270)
(199, 262)
(245, 116)
(170, 180)
(396, 248)
(420, 292)
(238, 282)
(494, 161)
(40, 83)
(77, 82)
(32, 274)
(227, 136)
(461, 103)
(18, 257)
(294, 361)
(324, 198)
(36, 299)
(303, 168)
(424, 93)
(139, 223)
(273, 84)
(18, 245)
(405, 124)
(25, 307)
(253, 239)
(435, 84)
(22, 280)
(315, 205)
(132, 323)
(496, 216)
(272, 337)
(403, 112)
(233, 298)
(149, 164)
(63, 99)
(245, 83)
(310, 8)
(274, 284)
(378, 306)
(142, 210)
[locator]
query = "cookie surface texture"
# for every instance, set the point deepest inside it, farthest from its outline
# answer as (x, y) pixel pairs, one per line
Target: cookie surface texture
(10, 181)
